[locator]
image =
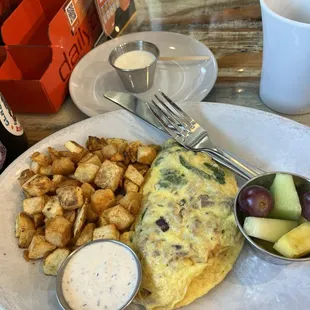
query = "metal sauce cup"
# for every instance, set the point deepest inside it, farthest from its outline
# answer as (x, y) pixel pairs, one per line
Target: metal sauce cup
(136, 80)
(59, 293)
(266, 179)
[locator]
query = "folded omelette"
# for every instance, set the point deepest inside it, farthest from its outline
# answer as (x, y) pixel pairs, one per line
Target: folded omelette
(185, 234)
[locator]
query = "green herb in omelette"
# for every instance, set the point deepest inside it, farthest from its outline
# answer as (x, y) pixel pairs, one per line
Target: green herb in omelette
(218, 173)
(171, 178)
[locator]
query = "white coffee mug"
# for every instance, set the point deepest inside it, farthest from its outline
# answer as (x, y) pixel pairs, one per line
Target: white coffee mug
(285, 79)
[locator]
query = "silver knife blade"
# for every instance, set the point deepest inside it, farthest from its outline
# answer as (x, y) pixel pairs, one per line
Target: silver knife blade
(134, 105)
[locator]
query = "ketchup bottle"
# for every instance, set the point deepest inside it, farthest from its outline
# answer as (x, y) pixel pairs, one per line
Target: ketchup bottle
(13, 140)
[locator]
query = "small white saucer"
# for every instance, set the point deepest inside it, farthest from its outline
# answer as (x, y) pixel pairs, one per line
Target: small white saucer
(181, 81)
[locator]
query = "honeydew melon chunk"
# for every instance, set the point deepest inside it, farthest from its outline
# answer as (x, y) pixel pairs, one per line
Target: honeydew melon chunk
(286, 200)
(295, 243)
(267, 229)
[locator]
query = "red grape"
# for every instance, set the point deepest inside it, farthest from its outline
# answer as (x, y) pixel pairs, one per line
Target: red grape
(305, 205)
(256, 201)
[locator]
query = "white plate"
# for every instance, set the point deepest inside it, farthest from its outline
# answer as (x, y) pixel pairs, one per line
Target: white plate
(181, 81)
(267, 140)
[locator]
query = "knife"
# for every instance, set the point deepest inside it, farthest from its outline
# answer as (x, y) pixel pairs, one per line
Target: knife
(134, 105)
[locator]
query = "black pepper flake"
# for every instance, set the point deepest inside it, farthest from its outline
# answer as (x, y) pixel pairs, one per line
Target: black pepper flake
(98, 303)
(182, 202)
(4, 254)
(177, 246)
(164, 226)
(97, 274)
(128, 283)
(84, 305)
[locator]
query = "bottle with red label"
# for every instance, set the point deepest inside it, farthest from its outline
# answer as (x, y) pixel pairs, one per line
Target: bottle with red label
(13, 140)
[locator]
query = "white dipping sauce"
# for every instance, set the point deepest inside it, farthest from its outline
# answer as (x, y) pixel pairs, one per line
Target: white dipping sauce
(103, 275)
(134, 60)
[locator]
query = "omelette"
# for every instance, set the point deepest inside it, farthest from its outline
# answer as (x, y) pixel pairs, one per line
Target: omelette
(185, 235)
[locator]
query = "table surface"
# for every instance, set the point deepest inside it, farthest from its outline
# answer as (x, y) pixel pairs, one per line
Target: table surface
(232, 29)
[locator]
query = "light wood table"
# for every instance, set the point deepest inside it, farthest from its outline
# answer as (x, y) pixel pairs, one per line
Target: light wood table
(232, 29)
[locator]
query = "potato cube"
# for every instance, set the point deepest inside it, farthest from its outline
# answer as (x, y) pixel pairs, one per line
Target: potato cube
(74, 147)
(25, 176)
(106, 232)
(132, 150)
(54, 154)
(118, 157)
(70, 215)
(69, 182)
(95, 144)
(134, 175)
(39, 247)
(38, 220)
(86, 234)
(63, 166)
(58, 231)
(53, 208)
(100, 155)
(80, 220)
(37, 185)
(109, 151)
(120, 144)
(103, 218)
(24, 230)
(86, 172)
(70, 197)
(120, 217)
(87, 190)
(33, 205)
(91, 159)
(130, 186)
(40, 231)
(41, 159)
(109, 176)
(132, 202)
(126, 238)
(54, 260)
(118, 198)
(35, 167)
(146, 155)
(46, 170)
(92, 216)
(75, 157)
(102, 199)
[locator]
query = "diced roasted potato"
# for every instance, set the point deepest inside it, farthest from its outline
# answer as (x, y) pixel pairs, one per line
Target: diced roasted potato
(40, 231)
(75, 157)
(63, 166)
(118, 157)
(87, 190)
(109, 175)
(106, 232)
(37, 185)
(38, 220)
(39, 247)
(92, 216)
(91, 159)
(109, 151)
(120, 217)
(70, 215)
(132, 150)
(53, 208)
(103, 218)
(140, 166)
(120, 144)
(126, 238)
(41, 159)
(54, 260)
(24, 230)
(35, 167)
(121, 165)
(130, 186)
(80, 220)
(33, 205)
(132, 202)
(70, 197)
(54, 154)
(69, 182)
(146, 155)
(86, 172)
(58, 231)
(134, 175)
(25, 176)
(46, 170)
(102, 199)
(100, 155)
(95, 144)
(86, 234)
(74, 147)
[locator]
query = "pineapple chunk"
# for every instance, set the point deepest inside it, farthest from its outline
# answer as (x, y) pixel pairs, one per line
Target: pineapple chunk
(295, 243)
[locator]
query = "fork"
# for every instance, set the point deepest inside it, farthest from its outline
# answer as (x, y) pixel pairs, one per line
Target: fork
(187, 132)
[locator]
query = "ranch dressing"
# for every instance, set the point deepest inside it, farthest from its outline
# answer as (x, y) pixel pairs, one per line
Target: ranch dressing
(103, 275)
(134, 60)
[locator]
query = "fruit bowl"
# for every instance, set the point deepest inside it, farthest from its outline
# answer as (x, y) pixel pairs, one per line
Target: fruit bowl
(264, 249)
